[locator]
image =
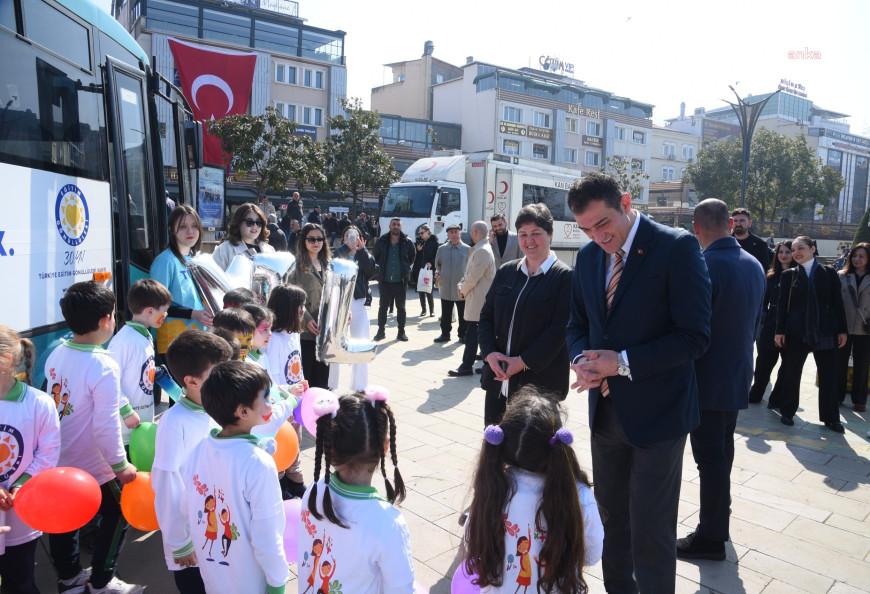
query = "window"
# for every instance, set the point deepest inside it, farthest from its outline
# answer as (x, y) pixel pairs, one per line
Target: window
(511, 147)
(286, 110)
(318, 116)
(439, 78)
(556, 200)
(542, 120)
(284, 73)
(570, 155)
(226, 27)
(173, 17)
(57, 32)
(318, 80)
(306, 115)
(688, 152)
(593, 129)
(540, 151)
(513, 114)
(668, 173)
(312, 78)
(312, 116)
(618, 133)
(637, 164)
(638, 137)
(450, 201)
(570, 124)
(279, 72)
(306, 78)
(270, 36)
(593, 159)
(669, 150)
(322, 47)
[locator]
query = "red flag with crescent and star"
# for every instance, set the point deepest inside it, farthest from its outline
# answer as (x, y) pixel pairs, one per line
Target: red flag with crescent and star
(216, 83)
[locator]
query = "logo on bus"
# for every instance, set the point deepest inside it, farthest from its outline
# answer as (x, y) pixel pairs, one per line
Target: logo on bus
(71, 214)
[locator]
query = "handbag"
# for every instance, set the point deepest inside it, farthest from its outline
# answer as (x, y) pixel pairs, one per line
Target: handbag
(424, 281)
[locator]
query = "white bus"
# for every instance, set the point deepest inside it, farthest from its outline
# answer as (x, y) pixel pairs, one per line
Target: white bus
(81, 172)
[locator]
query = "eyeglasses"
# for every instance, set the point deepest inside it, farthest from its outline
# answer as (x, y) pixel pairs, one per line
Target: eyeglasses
(253, 222)
(314, 239)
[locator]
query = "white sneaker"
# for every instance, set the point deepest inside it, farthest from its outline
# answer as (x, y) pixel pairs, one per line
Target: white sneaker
(74, 585)
(116, 586)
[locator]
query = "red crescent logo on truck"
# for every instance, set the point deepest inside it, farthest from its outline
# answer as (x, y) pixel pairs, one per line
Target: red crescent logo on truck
(431, 167)
(491, 197)
(504, 183)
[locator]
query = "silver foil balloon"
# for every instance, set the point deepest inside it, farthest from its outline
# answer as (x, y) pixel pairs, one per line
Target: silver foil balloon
(211, 282)
(260, 272)
(334, 344)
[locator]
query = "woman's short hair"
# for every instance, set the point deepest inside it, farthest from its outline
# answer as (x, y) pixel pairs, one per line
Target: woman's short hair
(537, 214)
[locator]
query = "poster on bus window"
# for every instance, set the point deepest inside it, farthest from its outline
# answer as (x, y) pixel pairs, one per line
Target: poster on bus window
(211, 197)
(63, 236)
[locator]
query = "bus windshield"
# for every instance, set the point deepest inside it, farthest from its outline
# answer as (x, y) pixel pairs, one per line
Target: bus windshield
(409, 201)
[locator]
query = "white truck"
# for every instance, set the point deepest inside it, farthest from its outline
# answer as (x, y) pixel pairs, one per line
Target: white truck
(463, 188)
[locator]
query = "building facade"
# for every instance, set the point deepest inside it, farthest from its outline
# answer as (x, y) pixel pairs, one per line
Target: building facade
(670, 153)
(300, 69)
(827, 132)
(541, 115)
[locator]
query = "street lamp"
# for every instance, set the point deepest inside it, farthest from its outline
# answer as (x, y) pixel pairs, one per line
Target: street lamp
(747, 115)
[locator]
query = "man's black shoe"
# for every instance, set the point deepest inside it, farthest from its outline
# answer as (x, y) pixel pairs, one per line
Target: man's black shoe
(442, 338)
(697, 547)
(402, 336)
(460, 372)
(787, 421)
(479, 370)
(380, 335)
(835, 426)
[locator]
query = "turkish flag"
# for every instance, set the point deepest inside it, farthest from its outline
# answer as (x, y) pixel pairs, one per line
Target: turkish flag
(216, 83)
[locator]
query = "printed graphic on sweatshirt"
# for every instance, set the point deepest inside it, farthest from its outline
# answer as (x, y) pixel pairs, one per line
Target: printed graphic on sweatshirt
(293, 368)
(146, 378)
(60, 393)
(318, 564)
(11, 443)
(519, 566)
(217, 520)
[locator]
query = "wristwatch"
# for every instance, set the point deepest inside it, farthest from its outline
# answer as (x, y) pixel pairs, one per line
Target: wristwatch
(621, 365)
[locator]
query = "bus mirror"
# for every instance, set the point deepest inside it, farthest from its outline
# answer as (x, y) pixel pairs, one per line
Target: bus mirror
(193, 143)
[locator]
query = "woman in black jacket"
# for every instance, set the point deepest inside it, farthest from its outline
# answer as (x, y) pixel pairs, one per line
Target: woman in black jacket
(767, 352)
(353, 247)
(810, 318)
(524, 318)
(427, 248)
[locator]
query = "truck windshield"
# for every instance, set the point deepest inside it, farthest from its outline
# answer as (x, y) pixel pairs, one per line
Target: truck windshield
(409, 201)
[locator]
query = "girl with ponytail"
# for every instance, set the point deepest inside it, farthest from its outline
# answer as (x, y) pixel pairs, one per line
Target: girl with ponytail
(533, 522)
(363, 539)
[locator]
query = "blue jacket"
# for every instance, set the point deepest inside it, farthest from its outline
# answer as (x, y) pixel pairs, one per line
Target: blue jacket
(660, 316)
(725, 371)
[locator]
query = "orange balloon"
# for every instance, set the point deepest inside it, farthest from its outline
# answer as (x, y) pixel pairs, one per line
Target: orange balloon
(58, 500)
(137, 503)
(288, 446)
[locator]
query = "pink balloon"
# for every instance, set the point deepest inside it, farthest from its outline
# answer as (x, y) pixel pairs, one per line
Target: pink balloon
(461, 583)
(292, 517)
(309, 418)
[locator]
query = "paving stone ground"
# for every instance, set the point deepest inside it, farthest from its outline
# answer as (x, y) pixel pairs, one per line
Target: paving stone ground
(801, 495)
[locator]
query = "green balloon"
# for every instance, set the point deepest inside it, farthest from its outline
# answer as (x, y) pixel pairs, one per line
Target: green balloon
(142, 442)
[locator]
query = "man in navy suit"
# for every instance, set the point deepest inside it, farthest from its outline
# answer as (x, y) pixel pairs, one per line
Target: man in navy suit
(724, 373)
(640, 316)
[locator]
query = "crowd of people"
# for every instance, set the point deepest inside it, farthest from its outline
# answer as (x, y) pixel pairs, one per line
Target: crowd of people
(647, 320)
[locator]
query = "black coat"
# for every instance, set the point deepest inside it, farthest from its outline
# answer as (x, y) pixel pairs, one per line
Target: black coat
(768, 313)
(538, 336)
(276, 238)
(425, 256)
(367, 269)
(294, 211)
(758, 248)
(793, 297)
(407, 253)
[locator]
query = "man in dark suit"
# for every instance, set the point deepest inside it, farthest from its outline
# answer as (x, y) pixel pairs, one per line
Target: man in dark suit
(505, 245)
(724, 373)
(640, 315)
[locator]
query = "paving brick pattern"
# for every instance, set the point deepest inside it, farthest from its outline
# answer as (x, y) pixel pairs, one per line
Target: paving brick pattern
(801, 495)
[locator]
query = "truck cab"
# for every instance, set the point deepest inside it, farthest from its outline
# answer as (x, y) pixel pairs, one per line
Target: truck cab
(439, 204)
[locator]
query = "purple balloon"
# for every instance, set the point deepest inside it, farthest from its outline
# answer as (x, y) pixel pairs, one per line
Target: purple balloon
(461, 583)
(297, 412)
(292, 517)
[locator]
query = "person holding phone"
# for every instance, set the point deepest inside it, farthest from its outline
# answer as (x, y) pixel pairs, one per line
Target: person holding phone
(353, 247)
(427, 247)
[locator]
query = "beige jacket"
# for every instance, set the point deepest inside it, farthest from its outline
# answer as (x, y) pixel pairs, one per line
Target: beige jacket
(854, 323)
(479, 273)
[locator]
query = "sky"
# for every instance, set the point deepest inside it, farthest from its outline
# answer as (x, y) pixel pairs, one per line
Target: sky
(657, 52)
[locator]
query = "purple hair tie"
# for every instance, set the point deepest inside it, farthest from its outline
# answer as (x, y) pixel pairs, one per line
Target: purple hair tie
(562, 435)
(493, 435)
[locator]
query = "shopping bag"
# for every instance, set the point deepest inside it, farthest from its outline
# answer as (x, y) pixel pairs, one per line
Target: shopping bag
(424, 281)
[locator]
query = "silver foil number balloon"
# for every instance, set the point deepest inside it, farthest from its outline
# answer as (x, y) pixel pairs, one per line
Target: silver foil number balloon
(334, 344)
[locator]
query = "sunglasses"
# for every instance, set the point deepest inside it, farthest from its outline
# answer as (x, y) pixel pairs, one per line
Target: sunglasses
(253, 222)
(314, 239)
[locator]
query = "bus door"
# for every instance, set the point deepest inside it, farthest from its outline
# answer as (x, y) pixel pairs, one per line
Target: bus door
(135, 200)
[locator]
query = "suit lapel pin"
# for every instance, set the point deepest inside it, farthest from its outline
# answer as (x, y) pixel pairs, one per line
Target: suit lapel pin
(639, 251)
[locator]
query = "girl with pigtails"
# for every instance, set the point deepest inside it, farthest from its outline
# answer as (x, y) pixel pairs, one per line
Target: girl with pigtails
(367, 544)
(533, 522)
